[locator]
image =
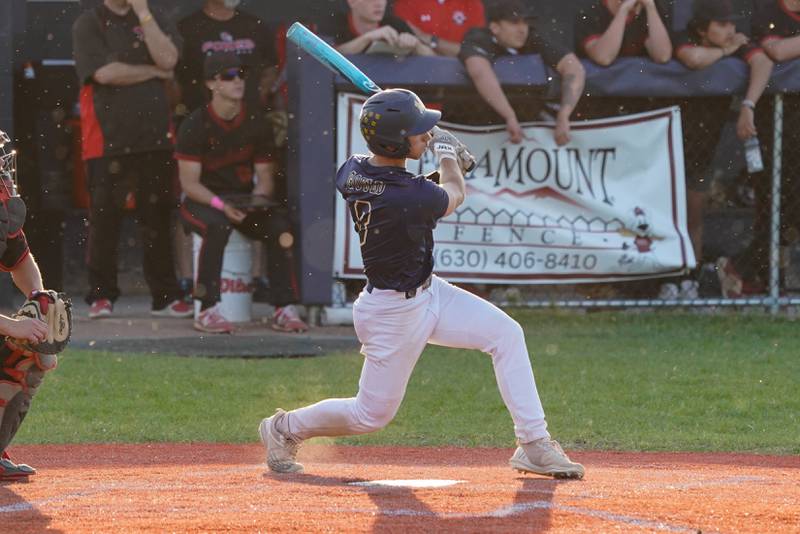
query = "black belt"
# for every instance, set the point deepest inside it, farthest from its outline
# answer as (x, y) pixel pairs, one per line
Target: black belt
(411, 293)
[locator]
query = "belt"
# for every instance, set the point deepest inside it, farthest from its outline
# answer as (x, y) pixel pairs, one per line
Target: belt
(411, 293)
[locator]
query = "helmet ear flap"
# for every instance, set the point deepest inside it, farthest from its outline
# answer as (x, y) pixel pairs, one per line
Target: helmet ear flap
(389, 148)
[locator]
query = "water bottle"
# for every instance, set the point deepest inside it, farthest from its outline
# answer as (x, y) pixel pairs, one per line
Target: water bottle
(752, 153)
(338, 295)
(28, 71)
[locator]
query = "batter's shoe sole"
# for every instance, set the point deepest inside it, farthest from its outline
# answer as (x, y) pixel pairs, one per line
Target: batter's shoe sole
(11, 472)
(548, 460)
(281, 451)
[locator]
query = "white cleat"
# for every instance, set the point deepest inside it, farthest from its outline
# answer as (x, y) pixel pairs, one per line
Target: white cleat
(281, 450)
(545, 457)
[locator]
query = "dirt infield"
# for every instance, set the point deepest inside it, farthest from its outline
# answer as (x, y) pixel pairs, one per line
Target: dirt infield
(223, 488)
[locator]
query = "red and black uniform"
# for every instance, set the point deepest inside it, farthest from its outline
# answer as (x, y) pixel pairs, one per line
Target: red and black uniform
(774, 21)
(15, 247)
(446, 19)
(127, 145)
(244, 35)
(527, 101)
(593, 22)
(481, 42)
(697, 127)
(340, 27)
(228, 151)
(21, 371)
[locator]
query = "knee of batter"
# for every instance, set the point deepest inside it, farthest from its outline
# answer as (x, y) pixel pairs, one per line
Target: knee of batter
(506, 334)
(371, 413)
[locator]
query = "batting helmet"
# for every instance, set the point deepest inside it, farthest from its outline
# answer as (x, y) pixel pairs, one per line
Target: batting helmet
(389, 117)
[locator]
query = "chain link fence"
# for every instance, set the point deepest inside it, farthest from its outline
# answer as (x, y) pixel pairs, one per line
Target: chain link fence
(745, 226)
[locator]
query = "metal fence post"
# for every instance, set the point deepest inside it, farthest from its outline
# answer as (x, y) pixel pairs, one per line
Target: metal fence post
(775, 219)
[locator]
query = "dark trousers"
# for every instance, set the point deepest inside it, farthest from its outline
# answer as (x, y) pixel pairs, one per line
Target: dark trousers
(214, 228)
(149, 176)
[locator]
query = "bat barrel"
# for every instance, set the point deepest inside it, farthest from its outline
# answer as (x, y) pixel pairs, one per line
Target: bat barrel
(330, 57)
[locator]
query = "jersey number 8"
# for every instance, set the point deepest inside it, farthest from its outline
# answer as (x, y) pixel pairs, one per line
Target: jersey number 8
(361, 211)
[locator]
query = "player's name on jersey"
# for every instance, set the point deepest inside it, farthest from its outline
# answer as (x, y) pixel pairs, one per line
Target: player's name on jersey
(358, 183)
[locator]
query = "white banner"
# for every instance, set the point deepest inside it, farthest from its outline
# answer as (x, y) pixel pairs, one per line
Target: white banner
(609, 206)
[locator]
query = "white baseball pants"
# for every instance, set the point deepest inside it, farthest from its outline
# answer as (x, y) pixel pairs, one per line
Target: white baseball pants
(394, 330)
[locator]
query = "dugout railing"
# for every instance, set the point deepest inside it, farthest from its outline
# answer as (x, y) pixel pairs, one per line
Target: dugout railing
(749, 219)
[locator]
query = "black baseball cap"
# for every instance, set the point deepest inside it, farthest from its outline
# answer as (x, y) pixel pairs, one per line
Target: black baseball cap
(716, 10)
(220, 62)
(511, 10)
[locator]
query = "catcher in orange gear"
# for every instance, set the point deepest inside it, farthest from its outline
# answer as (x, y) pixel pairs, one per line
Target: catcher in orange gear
(22, 335)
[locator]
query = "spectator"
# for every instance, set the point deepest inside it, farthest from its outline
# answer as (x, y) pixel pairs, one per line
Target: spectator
(776, 27)
(709, 37)
(441, 24)
(614, 28)
(219, 27)
(509, 33)
(219, 148)
(366, 28)
(124, 52)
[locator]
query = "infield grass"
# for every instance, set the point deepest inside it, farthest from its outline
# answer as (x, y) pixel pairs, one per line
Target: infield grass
(653, 381)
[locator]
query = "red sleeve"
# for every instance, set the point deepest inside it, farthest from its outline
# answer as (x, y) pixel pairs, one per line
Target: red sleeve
(748, 55)
(587, 40)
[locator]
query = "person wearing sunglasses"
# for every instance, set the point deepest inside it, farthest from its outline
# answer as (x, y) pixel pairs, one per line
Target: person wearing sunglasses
(223, 26)
(219, 149)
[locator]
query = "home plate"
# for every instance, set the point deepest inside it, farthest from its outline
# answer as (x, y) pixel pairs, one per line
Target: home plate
(416, 483)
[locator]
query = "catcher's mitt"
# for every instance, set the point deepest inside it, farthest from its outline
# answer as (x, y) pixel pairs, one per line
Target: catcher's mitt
(52, 308)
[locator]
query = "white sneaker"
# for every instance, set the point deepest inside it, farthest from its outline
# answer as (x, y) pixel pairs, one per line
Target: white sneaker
(101, 308)
(281, 450)
(286, 319)
(545, 457)
(689, 290)
(669, 291)
(176, 308)
(212, 321)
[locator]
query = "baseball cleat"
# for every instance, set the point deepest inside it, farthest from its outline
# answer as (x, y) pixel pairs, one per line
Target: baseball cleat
(176, 308)
(101, 308)
(286, 319)
(281, 449)
(545, 457)
(9, 471)
(212, 320)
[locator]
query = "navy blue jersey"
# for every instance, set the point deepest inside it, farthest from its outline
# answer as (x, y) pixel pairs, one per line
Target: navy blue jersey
(394, 213)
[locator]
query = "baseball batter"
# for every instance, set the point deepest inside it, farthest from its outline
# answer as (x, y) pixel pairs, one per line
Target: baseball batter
(404, 306)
